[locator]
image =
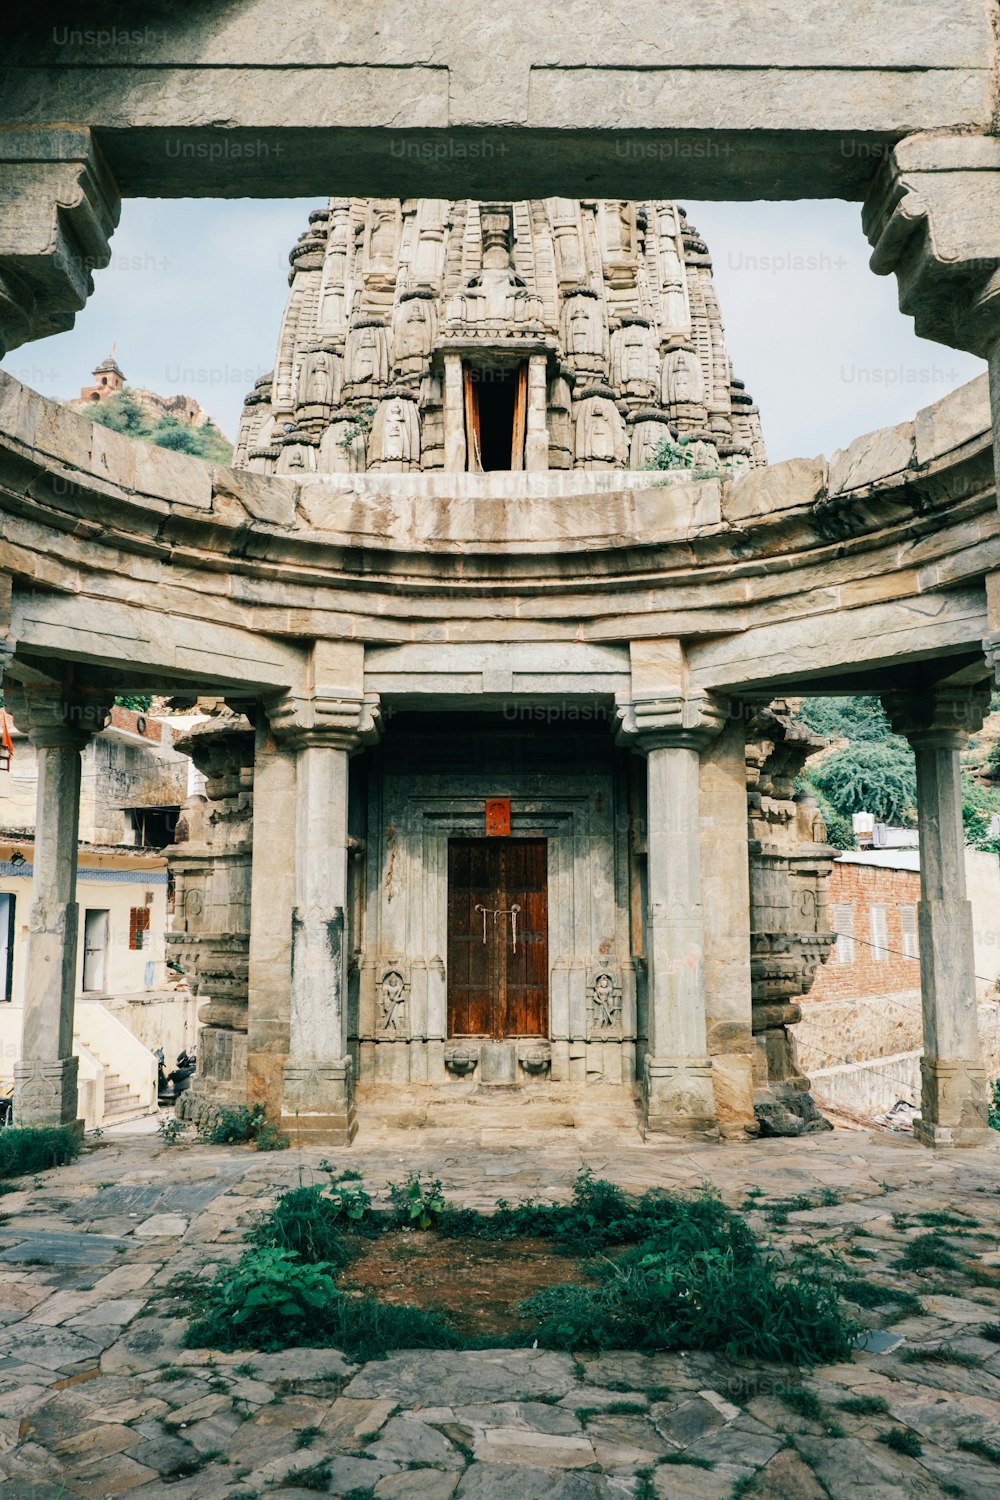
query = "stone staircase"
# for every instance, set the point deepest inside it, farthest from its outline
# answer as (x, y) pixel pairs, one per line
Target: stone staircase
(120, 1103)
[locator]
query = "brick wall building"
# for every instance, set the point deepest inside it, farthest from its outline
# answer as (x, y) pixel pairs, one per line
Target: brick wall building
(873, 910)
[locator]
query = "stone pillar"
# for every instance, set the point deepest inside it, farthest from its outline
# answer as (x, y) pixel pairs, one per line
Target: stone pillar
(45, 1078)
(678, 1094)
(318, 1081)
(725, 888)
(536, 441)
(454, 415)
(953, 1094)
(211, 865)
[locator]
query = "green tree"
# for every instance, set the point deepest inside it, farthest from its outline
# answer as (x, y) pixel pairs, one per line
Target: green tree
(980, 805)
(878, 777)
(125, 413)
(139, 703)
(847, 718)
(183, 437)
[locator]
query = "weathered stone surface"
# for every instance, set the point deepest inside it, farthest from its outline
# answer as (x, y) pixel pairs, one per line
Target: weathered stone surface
(407, 1440)
(786, 1477)
(847, 1467)
(418, 1484)
(514, 1445)
(778, 487)
(461, 1378)
(484, 1481)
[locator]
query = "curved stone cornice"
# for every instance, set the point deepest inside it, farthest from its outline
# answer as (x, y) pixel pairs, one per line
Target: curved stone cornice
(907, 516)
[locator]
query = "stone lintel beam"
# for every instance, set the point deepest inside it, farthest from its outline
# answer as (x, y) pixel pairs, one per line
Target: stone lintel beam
(61, 207)
(953, 1079)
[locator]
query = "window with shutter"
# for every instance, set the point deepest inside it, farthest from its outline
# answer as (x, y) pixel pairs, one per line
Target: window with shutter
(138, 927)
(908, 925)
(843, 926)
(880, 934)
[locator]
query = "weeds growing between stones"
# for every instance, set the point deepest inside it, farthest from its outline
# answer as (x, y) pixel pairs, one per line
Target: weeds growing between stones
(691, 1276)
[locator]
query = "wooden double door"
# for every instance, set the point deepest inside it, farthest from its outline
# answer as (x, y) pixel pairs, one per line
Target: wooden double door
(498, 938)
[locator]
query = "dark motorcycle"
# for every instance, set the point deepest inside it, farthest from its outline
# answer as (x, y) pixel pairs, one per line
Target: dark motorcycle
(169, 1086)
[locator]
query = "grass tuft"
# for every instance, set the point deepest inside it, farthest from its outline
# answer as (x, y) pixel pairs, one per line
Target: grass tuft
(926, 1252)
(939, 1354)
(36, 1148)
(865, 1406)
(981, 1449)
(902, 1440)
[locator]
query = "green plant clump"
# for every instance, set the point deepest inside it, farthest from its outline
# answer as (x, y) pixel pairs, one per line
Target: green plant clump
(713, 1299)
(865, 1406)
(902, 1440)
(35, 1148)
(271, 1300)
(307, 1222)
(239, 1126)
(417, 1203)
(870, 776)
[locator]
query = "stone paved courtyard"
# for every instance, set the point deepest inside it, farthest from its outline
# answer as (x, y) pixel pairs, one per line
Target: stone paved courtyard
(98, 1396)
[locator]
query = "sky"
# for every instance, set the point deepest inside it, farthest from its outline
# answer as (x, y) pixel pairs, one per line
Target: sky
(195, 290)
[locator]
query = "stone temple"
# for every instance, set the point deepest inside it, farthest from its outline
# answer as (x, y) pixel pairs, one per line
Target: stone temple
(500, 796)
(499, 850)
(463, 336)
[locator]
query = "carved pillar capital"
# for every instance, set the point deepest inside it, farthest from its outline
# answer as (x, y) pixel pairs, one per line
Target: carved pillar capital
(53, 719)
(932, 216)
(61, 206)
(686, 720)
(309, 718)
(940, 716)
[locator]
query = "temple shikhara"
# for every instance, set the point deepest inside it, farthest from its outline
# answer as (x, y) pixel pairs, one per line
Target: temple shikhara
(464, 336)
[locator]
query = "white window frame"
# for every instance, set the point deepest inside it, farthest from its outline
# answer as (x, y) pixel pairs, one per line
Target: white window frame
(843, 926)
(910, 933)
(878, 920)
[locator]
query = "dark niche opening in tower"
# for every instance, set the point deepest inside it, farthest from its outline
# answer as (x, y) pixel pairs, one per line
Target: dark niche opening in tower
(495, 415)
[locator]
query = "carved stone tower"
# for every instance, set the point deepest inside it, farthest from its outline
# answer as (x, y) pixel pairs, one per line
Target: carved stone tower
(464, 336)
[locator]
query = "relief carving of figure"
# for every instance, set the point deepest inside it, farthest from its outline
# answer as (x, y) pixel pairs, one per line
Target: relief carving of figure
(395, 435)
(584, 331)
(605, 997)
(414, 329)
(393, 993)
(683, 380)
(367, 361)
(600, 434)
(633, 359)
(318, 379)
(385, 232)
(647, 435)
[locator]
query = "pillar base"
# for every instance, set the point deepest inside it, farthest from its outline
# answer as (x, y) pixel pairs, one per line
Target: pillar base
(678, 1098)
(954, 1108)
(45, 1093)
(318, 1104)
